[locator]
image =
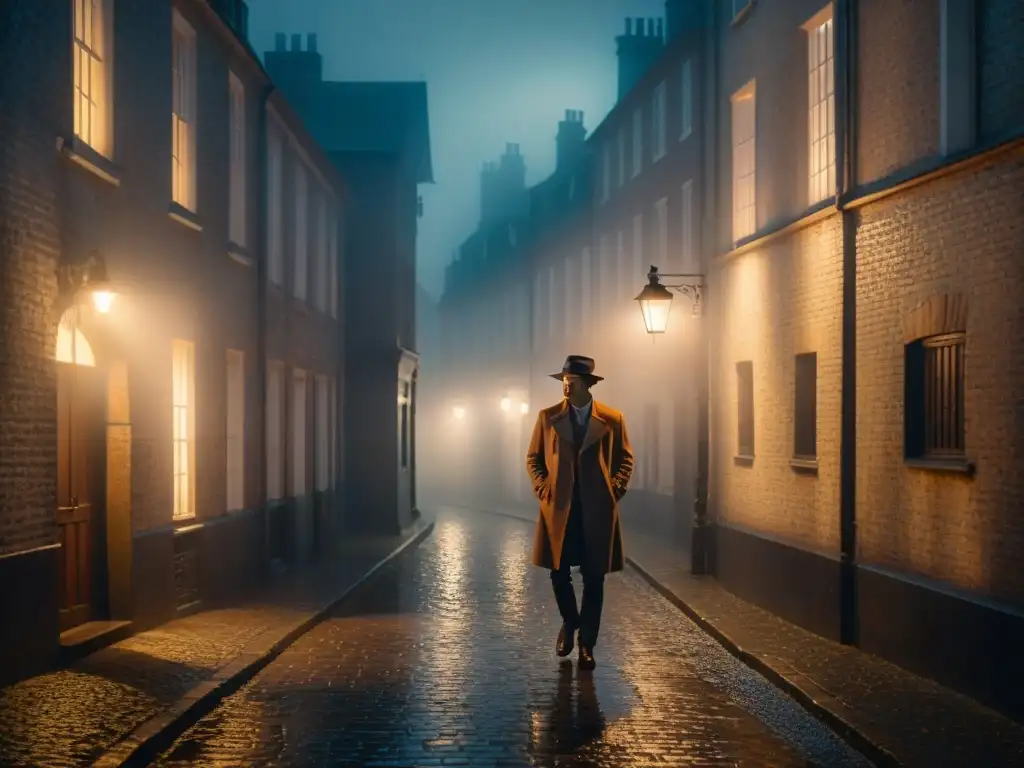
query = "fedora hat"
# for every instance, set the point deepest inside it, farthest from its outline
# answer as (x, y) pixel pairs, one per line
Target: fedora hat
(578, 365)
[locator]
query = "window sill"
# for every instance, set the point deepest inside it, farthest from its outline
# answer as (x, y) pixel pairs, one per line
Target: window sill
(80, 153)
(239, 254)
(807, 465)
(657, 158)
(686, 134)
(743, 460)
(742, 13)
(184, 216)
(951, 466)
(186, 525)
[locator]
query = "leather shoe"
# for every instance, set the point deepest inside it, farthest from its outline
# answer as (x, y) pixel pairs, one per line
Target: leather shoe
(586, 660)
(563, 647)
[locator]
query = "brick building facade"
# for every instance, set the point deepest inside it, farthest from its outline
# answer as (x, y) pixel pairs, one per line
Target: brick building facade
(850, 188)
(136, 303)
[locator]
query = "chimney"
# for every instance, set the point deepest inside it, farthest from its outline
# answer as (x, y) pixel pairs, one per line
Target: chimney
(570, 142)
(294, 67)
(681, 17)
(637, 52)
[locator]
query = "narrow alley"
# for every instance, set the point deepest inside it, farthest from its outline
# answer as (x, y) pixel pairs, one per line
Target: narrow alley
(447, 658)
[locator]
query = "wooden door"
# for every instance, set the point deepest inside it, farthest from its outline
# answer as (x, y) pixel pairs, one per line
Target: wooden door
(80, 446)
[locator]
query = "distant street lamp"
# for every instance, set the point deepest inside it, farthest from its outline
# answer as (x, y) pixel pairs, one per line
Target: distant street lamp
(506, 404)
(459, 412)
(524, 408)
(655, 301)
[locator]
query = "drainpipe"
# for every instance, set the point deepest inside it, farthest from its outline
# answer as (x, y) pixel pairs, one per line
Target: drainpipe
(262, 280)
(702, 545)
(846, 121)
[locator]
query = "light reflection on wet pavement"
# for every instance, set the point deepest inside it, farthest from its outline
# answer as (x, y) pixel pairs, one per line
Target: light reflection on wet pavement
(447, 658)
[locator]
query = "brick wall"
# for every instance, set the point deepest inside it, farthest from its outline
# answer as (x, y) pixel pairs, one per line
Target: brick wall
(769, 305)
(959, 234)
(36, 106)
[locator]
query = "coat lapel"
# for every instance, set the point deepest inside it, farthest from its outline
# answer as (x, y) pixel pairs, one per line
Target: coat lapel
(597, 428)
(563, 425)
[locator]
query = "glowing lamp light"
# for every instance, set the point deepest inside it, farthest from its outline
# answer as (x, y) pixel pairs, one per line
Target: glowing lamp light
(459, 412)
(103, 301)
(524, 408)
(506, 404)
(655, 301)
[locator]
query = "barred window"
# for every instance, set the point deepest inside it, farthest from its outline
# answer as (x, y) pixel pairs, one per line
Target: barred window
(745, 408)
(934, 397)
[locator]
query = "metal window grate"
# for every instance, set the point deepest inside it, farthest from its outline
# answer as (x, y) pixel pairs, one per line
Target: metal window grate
(934, 398)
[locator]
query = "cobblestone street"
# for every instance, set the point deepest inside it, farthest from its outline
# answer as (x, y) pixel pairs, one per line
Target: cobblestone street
(447, 658)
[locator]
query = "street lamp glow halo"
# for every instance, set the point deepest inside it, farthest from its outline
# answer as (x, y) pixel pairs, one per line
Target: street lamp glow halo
(524, 408)
(655, 302)
(459, 412)
(103, 300)
(506, 404)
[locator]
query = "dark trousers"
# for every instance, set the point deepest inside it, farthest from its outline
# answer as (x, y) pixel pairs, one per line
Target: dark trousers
(587, 618)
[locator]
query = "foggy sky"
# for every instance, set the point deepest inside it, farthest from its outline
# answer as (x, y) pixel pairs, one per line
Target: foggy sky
(497, 71)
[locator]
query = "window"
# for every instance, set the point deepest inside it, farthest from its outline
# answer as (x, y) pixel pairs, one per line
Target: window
(403, 426)
(585, 286)
(275, 256)
(570, 286)
(638, 140)
(236, 189)
(298, 445)
(805, 407)
(183, 116)
(300, 283)
(686, 100)
(934, 397)
(744, 163)
(235, 464)
(661, 216)
(320, 256)
(275, 431)
(606, 172)
(821, 108)
(332, 258)
(93, 74)
(638, 256)
(745, 410)
(322, 427)
(551, 302)
(183, 428)
(687, 235)
(622, 156)
(658, 123)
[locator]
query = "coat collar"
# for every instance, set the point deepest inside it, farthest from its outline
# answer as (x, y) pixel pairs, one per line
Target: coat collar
(597, 428)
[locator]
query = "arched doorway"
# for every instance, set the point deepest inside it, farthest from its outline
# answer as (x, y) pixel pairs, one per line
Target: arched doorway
(81, 463)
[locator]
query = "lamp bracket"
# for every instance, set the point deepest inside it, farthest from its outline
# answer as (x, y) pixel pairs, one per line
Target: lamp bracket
(685, 284)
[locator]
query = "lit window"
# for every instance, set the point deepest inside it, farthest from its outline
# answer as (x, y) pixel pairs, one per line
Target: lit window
(92, 59)
(275, 256)
(300, 284)
(183, 427)
(658, 123)
(275, 431)
(638, 140)
(322, 426)
(686, 100)
(183, 115)
(298, 475)
(237, 188)
(235, 412)
(821, 112)
(744, 162)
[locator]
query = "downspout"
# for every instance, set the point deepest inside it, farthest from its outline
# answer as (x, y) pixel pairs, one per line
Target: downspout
(702, 544)
(262, 281)
(846, 121)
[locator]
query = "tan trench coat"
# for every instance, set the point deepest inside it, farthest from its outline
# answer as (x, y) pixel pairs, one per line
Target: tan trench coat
(605, 466)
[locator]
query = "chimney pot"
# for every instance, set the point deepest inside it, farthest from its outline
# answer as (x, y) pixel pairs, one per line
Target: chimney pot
(629, 26)
(311, 42)
(296, 42)
(640, 27)
(279, 41)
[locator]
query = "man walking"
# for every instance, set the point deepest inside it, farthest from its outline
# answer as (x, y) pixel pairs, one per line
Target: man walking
(579, 463)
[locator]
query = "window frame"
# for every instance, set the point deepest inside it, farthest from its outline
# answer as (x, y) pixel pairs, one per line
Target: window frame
(805, 407)
(322, 433)
(744, 215)
(183, 420)
(276, 426)
(237, 165)
(686, 237)
(821, 134)
(686, 100)
(299, 434)
(745, 431)
(919, 413)
(184, 119)
(300, 189)
(638, 141)
(275, 203)
(659, 133)
(99, 54)
(234, 412)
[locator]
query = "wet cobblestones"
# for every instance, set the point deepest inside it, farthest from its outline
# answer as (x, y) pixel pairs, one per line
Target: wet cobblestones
(447, 658)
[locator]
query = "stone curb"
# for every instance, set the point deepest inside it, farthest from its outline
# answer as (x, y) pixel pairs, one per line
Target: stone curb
(787, 683)
(159, 732)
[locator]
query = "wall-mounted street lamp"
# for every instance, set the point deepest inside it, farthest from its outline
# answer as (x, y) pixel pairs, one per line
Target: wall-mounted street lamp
(87, 277)
(655, 299)
(655, 302)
